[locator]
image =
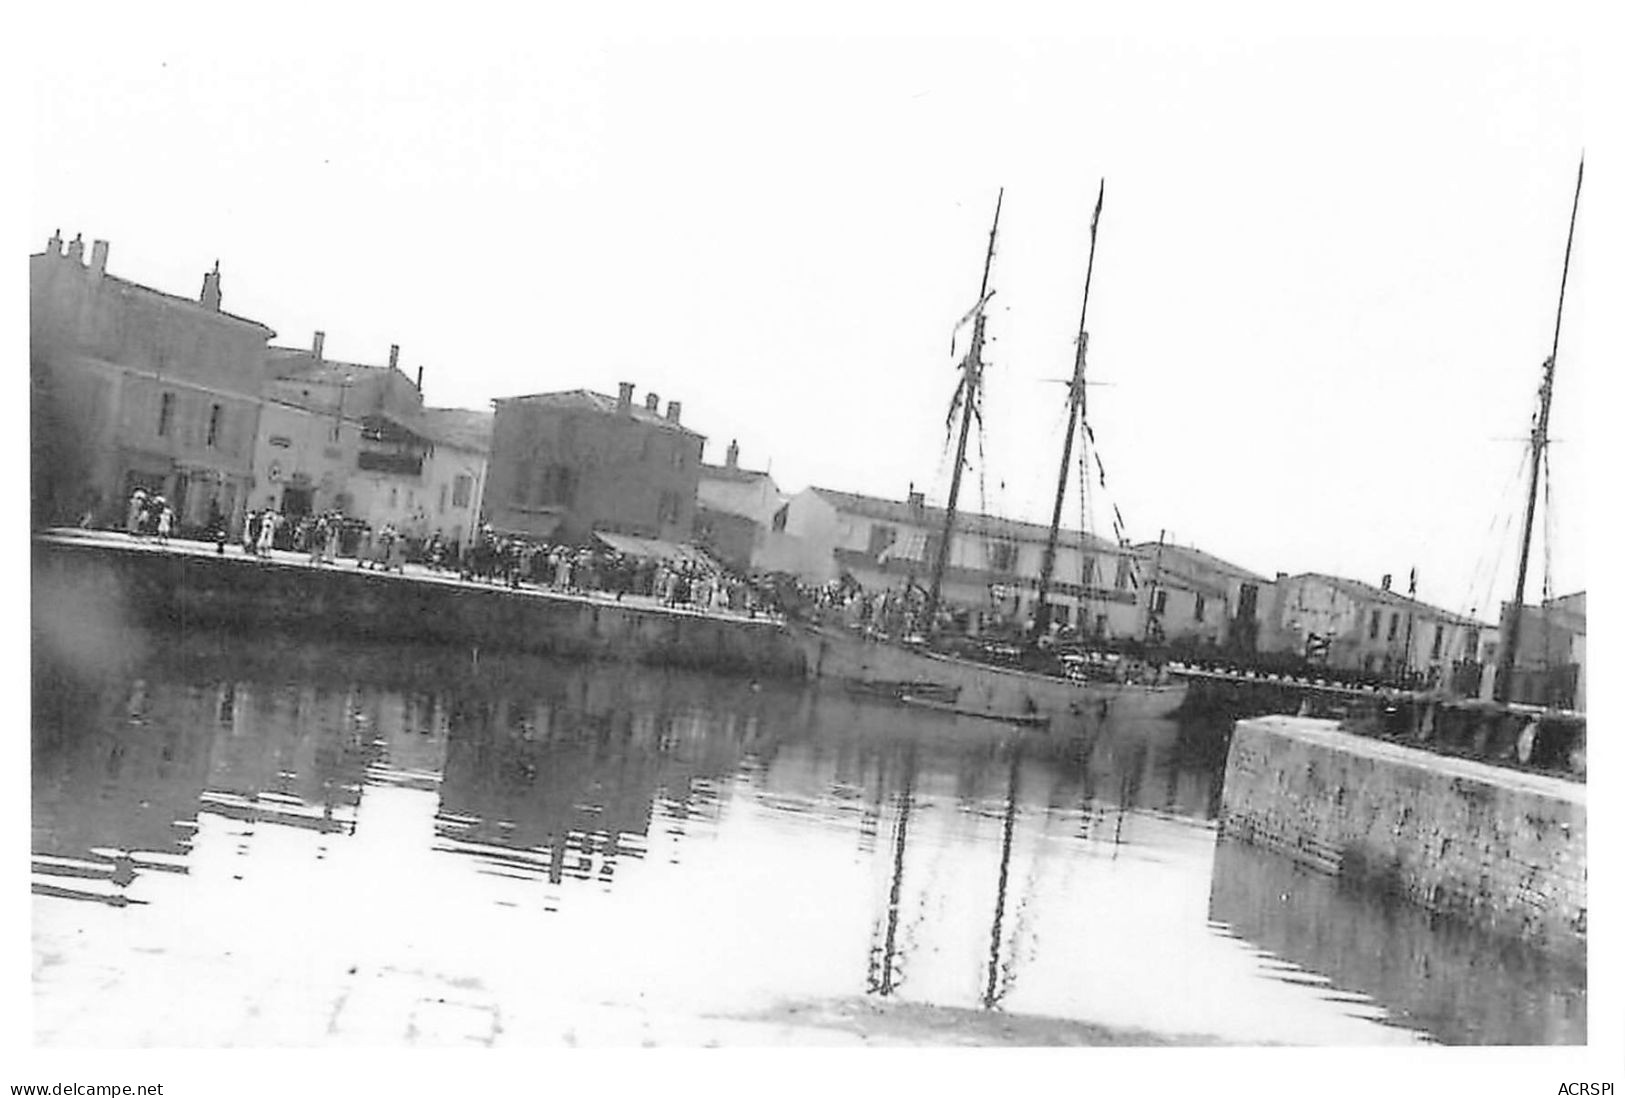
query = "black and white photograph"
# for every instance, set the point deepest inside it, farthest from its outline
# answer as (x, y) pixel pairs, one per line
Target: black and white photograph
(561, 540)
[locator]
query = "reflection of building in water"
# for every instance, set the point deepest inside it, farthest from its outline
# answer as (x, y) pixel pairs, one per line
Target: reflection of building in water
(120, 764)
(287, 747)
(1462, 986)
(578, 786)
(129, 763)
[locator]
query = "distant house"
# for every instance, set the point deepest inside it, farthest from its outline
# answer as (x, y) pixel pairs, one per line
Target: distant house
(1352, 625)
(137, 388)
(568, 464)
(992, 569)
(1199, 596)
(735, 510)
(1549, 665)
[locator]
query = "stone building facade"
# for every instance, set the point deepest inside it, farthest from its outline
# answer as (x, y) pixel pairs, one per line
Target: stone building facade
(134, 387)
(993, 564)
(567, 464)
(371, 448)
(1351, 625)
(735, 510)
(1208, 599)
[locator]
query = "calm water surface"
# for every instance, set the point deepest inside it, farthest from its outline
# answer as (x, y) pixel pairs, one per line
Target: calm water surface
(251, 841)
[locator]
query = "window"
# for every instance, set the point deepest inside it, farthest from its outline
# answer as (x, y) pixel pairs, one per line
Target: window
(1438, 639)
(670, 507)
(166, 413)
(1002, 556)
(1061, 613)
(1088, 571)
(1200, 613)
(461, 489)
(933, 549)
(521, 483)
(213, 435)
(443, 499)
(1393, 626)
(1122, 579)
(1376, 622)
(1159, 602)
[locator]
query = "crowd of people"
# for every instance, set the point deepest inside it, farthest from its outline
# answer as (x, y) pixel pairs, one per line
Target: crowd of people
(149, 516)
(692, 581)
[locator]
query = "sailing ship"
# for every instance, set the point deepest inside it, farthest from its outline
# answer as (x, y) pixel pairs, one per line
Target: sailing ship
(916, 673)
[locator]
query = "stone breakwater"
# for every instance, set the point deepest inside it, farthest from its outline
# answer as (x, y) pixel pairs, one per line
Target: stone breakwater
(1499, 849)
(85, 588)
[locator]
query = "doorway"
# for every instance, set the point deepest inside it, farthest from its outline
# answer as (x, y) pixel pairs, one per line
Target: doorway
(296, 502)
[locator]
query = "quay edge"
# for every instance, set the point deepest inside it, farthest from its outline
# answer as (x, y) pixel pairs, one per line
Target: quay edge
(83, 590)
(1498, 849)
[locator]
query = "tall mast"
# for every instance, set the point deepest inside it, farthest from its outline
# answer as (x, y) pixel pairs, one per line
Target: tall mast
(969, 386)
(1537, 445)
(1075, 404)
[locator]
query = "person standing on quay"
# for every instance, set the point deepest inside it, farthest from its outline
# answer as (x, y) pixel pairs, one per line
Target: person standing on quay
(316, 538)
(335, 526)
(165, 518)
(132, 518)
(268, 524)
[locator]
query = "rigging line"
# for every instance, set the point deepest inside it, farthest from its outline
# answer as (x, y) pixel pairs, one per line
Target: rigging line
(1546, 551)
(1490, 540)
(1086, 565)
(1500, 553)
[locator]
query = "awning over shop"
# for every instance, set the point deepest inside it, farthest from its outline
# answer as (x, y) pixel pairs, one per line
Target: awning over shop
(655, 549)
(536, 526)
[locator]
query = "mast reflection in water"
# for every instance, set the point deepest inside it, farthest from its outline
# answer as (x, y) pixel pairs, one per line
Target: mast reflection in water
(274, 843)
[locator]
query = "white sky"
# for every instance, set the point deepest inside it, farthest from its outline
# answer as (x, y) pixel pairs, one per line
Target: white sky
(1325, 283)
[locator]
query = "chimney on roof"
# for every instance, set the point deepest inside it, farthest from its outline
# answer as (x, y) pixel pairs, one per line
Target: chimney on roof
(674, 411)
(53, 246)
(623, 403)
(394, 355)
(733, 454)
(916, 500)
(76, 250)
(316, 342)
(420, 380)
(98, 258)
(652, 403)
(1280, 577)
(1387, 581)
(210, 297)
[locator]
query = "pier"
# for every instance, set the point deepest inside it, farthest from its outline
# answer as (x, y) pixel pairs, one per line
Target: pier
(1501, 850)
(88, 584)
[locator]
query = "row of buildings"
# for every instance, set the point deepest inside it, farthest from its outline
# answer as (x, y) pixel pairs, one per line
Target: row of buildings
(135, 387)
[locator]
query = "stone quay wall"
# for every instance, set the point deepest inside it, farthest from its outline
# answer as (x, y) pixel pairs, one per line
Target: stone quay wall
(88, 589)
(1499, 849)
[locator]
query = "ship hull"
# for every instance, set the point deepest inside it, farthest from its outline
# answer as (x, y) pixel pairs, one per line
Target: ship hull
(981, 689)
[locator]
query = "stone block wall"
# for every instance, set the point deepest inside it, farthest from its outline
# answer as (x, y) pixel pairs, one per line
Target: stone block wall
(1499, 849)
(91, 590)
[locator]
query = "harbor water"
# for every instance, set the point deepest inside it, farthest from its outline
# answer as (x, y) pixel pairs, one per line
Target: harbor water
(246, 840)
